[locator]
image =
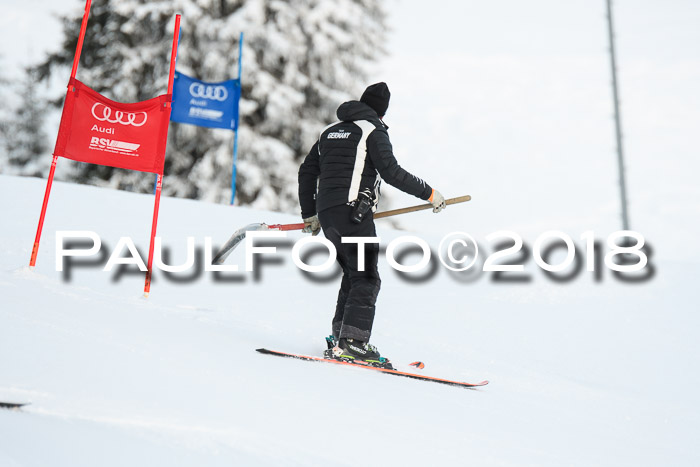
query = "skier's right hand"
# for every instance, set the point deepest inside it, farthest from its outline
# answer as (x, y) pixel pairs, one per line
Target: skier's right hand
(437, 200)
(312, 225)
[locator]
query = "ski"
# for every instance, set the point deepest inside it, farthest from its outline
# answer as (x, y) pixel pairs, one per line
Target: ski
(11, 405)
(383, 370)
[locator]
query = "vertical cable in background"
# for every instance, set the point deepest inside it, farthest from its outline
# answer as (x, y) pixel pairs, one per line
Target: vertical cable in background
(618, 123)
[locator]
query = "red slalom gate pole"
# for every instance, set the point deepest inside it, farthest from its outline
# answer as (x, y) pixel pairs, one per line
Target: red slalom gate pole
(147, 286)
(49, 182)
(81, 37)
(173, 55)
(159, 182)
(47, 193)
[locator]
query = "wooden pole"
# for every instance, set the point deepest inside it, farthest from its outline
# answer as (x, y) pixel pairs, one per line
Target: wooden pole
(379, 215)
(420, 207)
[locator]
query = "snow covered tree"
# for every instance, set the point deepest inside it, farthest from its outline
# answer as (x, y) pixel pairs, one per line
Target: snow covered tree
(25, 141)
(301, 59)
(4, 119)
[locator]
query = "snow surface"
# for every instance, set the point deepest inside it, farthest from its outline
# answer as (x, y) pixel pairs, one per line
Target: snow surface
(582, 373)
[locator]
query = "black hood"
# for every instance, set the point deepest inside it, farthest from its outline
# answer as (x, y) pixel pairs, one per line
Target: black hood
(355, 110)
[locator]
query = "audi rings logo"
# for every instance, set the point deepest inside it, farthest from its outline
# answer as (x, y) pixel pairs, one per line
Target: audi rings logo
(208, 91)
(104, 114)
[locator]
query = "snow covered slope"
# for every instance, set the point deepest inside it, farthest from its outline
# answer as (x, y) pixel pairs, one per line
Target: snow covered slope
(582, 373)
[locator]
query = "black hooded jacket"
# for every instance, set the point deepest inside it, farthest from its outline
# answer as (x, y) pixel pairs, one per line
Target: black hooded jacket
(349, 157)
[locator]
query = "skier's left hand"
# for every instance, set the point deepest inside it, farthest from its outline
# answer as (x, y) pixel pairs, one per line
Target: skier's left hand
(437, 200)
(312, 225)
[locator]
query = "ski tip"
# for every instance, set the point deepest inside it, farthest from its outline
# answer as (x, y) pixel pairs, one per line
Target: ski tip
(419, 365)
(12, 405)
(470, 385)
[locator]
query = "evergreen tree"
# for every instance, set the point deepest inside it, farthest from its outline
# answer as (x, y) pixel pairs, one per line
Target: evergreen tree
(4, 119)
(301, 59)
(25, 140)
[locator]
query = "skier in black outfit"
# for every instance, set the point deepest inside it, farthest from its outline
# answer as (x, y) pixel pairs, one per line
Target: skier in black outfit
(340, 176)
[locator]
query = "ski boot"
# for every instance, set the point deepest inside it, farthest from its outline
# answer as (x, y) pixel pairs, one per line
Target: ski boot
(331, 341)
(357, 352)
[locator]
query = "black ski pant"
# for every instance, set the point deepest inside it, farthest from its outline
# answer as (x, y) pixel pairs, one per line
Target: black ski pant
(354, 312)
